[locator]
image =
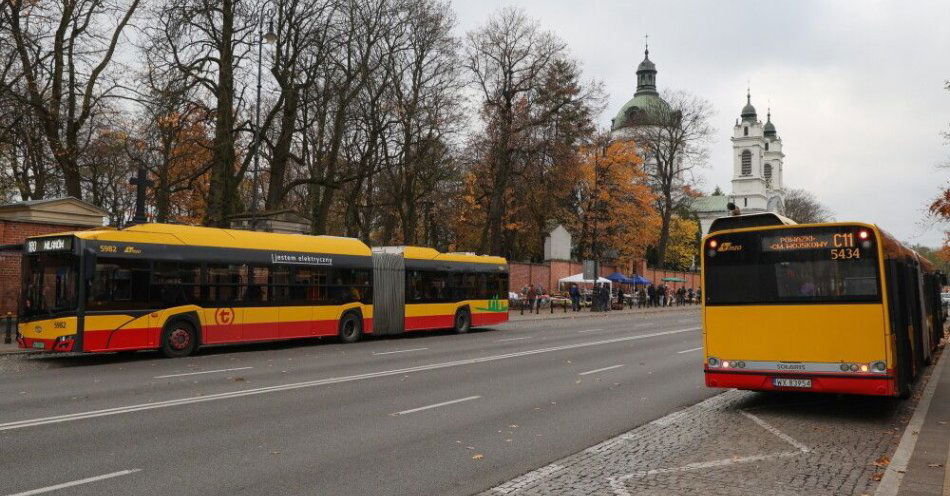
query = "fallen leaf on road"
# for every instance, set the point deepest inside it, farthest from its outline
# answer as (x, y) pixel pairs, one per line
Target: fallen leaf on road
(882, 461)
(877, 476)
(935, 465)
(238, 379)
(477, 456)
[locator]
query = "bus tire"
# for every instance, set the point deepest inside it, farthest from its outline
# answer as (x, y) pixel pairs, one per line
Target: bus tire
(463, 321)
(351, 328)
(179, 339)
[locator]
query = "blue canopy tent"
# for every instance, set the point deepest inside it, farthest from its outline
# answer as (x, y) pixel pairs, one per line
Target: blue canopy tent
(638, 279)
(620, 278)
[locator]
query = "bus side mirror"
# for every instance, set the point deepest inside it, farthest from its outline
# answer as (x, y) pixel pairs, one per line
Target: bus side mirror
(89, 264)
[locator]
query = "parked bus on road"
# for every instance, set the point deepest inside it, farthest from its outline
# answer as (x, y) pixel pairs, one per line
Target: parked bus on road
(838, 308)
(175, 288)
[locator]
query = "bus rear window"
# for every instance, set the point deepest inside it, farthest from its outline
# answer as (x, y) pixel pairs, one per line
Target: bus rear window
(789, 266)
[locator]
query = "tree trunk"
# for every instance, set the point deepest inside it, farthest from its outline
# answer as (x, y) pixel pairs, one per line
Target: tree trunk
(281, 158)
(223, 188)
(666, 213)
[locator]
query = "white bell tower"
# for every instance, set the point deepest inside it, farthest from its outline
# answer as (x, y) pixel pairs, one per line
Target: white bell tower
(757, 184)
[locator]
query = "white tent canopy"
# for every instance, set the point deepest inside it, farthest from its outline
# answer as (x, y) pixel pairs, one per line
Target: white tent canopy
(579, 279)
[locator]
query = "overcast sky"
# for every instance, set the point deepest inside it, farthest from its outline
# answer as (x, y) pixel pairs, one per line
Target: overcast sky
(856, 88)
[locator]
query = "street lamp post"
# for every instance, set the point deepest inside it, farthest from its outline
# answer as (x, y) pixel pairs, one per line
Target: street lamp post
(268, 38)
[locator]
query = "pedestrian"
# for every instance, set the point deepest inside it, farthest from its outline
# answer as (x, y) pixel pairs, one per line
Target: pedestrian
(691, 296)
(620, 296)
(575, 297)
(661, 295)
(538, 293)
(530, 296)
(651, 296)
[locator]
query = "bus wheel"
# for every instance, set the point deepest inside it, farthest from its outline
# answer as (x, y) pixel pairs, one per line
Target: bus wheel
(463, 321)
(351, 328)
(905, 390)
(179, 339)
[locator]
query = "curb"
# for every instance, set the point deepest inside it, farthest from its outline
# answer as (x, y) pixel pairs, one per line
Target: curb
(894, 474)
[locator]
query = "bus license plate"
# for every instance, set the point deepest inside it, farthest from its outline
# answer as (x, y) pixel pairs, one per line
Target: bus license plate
(792, 383)
(39, 345)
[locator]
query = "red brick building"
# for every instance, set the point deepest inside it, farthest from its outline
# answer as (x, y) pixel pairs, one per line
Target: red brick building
(32, 218)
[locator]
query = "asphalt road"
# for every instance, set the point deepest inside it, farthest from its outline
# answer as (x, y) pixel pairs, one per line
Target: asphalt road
(429, 414)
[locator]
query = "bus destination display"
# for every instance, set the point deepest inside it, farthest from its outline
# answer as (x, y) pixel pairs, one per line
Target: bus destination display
(841, 246)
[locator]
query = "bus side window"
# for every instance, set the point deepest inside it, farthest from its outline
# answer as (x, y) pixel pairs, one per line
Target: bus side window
(280, 284)
(257, 289)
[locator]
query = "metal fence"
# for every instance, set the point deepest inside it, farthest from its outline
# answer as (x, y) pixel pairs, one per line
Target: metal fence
(8, 326)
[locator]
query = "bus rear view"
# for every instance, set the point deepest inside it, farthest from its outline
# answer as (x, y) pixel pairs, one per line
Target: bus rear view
(797, 308)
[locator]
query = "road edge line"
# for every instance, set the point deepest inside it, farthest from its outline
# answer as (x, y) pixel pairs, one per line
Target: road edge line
(894, 474)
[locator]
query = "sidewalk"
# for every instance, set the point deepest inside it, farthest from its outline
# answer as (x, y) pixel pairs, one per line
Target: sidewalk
(7, 349)
(559, 313)
(927, 473)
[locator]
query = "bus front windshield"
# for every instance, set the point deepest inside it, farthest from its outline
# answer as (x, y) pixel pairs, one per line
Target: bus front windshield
(50, 285)
(835, 264)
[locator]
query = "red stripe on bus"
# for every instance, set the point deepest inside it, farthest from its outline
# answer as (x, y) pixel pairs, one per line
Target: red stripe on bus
(489, 318)
(430, 322)
(819, 384)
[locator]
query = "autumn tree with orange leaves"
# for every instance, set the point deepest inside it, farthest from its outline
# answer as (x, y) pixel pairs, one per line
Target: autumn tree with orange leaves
(616, 218)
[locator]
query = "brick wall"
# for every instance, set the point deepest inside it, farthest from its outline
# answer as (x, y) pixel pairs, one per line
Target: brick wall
(14, 233)
(548, 274)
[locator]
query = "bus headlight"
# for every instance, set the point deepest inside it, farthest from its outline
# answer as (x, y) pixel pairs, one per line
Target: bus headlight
(845, 367)
(879, 366)
(713, 362)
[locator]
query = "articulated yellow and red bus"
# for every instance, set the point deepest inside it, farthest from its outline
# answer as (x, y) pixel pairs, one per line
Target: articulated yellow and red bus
(838, 307)
(175, 288)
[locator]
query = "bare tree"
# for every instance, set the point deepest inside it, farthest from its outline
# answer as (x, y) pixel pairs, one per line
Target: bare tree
(205, 41)
(63, 50)
(674, 144)
(803, 206)
(507, 59)
(423, 107)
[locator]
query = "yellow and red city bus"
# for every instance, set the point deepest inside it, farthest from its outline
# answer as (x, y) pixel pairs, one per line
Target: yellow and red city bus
(175, 288)
(837, 307)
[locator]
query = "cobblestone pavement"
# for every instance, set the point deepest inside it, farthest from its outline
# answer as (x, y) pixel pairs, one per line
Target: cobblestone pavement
(737, 443)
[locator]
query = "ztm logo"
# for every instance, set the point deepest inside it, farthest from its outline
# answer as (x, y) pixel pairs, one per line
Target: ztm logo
(224, 316)
(728, 246)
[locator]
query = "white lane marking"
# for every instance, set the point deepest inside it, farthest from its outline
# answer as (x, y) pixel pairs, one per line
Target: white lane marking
(894, 472)
(601, 370)
(689, 350)
(202, 372)
(617, 483)
(77, 482)
(513, 339)
(397, 351)
(781, 435)
(437, 405)
(591, 330)
(20, 424)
